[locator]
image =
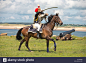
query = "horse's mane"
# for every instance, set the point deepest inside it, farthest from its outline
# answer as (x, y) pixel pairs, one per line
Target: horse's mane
(49, 19)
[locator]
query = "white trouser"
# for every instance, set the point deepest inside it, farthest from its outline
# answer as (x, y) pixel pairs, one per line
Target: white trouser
(37, 26)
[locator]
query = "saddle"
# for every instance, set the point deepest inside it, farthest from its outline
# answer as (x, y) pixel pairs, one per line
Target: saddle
(33, 29)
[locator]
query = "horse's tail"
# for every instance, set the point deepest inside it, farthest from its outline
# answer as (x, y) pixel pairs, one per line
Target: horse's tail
(18, 36)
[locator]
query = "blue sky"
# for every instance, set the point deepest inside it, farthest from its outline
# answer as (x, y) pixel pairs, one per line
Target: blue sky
(70, 11)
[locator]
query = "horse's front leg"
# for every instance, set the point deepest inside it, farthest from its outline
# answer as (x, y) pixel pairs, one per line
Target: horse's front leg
(47, 41)
(49, 38)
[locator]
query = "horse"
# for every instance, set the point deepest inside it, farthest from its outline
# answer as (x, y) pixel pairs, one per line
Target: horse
(47, 32)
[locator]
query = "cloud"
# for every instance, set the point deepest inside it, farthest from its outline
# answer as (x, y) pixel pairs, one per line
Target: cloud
(63, 4)
(20, 10)
(16, 6)
(60, 11)
(78, 17)
(28, 6)
(51, 3)
(25, 17)
(66, 18)
(75, 4)
(83, 12)
(12, 17)
(84, 18)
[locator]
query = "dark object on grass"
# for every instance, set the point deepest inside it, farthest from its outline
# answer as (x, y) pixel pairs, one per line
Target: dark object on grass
(3, 34)
(65, 35)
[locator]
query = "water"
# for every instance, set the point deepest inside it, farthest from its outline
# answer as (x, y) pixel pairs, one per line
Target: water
(9, 31)
(14, 31)
(76, 33)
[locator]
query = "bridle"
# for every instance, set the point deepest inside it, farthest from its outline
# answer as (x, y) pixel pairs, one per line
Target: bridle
(56, 20)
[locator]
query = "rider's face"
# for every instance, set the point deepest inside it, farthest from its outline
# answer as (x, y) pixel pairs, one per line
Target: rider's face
(39, 13)
(38, 6)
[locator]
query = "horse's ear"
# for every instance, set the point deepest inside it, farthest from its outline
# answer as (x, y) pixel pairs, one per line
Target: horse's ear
(57, 14)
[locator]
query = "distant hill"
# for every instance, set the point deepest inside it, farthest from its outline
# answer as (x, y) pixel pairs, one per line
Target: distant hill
(73, 25)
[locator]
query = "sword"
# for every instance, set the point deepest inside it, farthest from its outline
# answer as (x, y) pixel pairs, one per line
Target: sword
(49, 8)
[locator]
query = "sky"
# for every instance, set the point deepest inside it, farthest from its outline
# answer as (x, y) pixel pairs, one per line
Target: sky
(70, 11)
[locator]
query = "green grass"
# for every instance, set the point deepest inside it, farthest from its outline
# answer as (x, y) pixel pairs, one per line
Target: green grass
(71, 48)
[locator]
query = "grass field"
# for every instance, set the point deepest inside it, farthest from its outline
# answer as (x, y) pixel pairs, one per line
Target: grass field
(74, 48)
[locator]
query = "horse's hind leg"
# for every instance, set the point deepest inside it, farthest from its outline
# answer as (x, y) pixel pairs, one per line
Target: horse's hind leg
(26, 44)
(21, 44)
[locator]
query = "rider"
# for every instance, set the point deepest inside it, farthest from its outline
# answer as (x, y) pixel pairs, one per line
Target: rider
(38, 18)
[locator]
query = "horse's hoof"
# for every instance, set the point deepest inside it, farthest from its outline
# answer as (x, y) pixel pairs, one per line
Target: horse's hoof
(19, 49)
(48, 52)
(54, 49)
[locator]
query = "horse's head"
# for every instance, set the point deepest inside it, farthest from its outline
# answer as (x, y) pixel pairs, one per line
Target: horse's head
(57, 19)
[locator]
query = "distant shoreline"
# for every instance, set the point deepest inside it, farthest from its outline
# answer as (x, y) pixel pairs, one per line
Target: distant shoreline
(66, 29)
(55, 28)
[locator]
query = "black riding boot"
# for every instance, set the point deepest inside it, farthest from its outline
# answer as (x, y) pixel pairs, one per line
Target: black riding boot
(38, 34)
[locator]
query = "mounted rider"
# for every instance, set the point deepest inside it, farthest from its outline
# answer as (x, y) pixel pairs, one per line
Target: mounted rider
(39, 15)
(37, 20)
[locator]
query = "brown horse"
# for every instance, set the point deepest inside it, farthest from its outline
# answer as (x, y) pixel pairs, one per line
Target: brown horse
(47, 32)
